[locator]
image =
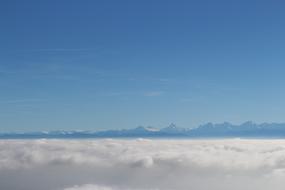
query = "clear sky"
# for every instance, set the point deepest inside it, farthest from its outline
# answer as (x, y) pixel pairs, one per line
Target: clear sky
(103, 64)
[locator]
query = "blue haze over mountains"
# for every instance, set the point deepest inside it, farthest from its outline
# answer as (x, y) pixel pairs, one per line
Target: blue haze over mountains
(221, 130)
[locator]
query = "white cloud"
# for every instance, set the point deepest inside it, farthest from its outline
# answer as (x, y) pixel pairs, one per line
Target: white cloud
(142, 164)
(94, 187)
(89, 187)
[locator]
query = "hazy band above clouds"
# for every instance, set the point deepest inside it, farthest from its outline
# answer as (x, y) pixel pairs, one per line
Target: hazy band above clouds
(142, 164)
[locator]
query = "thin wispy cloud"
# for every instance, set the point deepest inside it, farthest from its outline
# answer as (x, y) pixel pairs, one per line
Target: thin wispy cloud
(135, 93)
(19, 101)
(154, 93)
(188, 100)
(60, 50)
(151, 79)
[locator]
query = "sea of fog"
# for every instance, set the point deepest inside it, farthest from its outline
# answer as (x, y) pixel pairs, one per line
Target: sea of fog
(142, 164)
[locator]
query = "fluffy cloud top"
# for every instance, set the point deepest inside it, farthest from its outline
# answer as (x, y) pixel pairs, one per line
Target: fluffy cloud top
(142, 164)
(95, 187)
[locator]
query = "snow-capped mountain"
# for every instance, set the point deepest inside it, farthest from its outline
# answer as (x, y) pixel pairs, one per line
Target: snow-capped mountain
(247, 129)
(173, 129)
(208, 130)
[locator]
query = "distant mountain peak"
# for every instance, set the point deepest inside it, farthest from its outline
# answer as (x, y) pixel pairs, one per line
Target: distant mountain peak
(172, 125)
(148, 128)
(172, 128)
(248, 123)
(219, 130)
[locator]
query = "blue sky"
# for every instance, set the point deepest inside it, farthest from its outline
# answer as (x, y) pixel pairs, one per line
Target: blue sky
(118, 64)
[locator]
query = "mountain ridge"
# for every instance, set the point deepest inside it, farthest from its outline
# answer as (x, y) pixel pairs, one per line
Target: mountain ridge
(247, 129)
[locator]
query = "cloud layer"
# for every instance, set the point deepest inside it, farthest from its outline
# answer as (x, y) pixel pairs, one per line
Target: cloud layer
(142, 164)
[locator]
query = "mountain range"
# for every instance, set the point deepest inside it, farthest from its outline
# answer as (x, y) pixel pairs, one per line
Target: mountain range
(209, 130)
